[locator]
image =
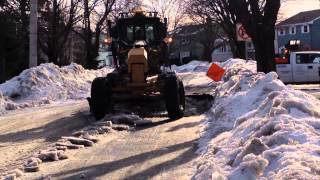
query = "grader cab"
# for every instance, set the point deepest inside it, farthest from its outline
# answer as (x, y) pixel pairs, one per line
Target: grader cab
(139, 45)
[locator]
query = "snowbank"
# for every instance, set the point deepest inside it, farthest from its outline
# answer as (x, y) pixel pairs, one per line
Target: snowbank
(46, 83)
(258, 128)
(193, 66)
(194, 75)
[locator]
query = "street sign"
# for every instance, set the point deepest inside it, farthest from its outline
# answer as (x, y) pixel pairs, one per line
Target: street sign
(242, 33)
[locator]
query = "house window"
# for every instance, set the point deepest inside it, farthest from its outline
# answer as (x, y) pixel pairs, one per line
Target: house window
(305, 29)
(281, 31)
(293, 30)
(223, 48)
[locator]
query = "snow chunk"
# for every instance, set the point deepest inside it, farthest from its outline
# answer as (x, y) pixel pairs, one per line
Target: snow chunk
(251, 168)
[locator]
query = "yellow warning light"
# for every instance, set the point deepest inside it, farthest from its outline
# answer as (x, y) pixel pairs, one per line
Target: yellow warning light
(138, 10)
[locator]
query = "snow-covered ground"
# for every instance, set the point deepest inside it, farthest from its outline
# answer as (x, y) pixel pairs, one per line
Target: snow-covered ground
(47, 83)
(258, 128)
(193, 66)
(193, 75)
(313, 89)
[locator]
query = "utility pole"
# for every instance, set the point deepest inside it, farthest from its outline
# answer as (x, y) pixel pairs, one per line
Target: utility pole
(33, 51)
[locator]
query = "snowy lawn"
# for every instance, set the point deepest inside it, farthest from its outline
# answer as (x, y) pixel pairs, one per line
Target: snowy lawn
(258, 128)
(47, 83)
(194, 75)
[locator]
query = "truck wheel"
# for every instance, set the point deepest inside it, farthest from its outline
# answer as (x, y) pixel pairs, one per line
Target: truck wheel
(101, 94)
(174, 97)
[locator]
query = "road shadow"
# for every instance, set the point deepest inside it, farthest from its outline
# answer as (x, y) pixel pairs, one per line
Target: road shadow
(109, 167)
(152, 124)
(184, 126)
(52, 131)
(195, 105)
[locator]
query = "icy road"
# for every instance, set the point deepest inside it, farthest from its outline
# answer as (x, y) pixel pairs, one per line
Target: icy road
(163, 149)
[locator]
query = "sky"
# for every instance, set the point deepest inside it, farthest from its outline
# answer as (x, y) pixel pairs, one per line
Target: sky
(293, 7)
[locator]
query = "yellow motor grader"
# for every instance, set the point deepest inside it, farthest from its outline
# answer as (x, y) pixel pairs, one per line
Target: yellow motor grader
(139, 44)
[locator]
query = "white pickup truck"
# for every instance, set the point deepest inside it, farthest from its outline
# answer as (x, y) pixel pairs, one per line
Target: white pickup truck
(299, 67)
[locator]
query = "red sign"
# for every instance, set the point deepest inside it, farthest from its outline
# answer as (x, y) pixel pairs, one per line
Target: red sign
(215, 72)
(242, 33)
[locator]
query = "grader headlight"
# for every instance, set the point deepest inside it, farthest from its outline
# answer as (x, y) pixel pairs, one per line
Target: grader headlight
(108, 40)
(168, 40)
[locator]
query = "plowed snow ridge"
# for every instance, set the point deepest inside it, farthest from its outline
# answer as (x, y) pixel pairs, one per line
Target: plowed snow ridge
(258, 128)
(46, 83)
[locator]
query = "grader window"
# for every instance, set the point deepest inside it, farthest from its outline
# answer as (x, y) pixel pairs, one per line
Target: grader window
(149, 33)
(139, 33)
(130, 35)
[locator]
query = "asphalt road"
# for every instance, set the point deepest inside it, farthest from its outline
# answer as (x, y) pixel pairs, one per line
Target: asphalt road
(162, 149)
(24, 132)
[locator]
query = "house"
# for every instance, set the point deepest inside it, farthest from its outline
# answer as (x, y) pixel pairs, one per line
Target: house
(105, 57)
(186, 44)
(222, 53)
(304, 26)
(74, 49)
(202, 42)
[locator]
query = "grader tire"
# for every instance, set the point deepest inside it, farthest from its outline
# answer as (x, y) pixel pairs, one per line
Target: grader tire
(174, 97)
(101, 94)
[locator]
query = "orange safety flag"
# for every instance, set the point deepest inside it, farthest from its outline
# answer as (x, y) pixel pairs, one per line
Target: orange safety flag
(215, 72)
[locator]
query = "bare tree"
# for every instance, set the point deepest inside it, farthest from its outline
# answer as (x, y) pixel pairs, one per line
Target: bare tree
(95, 14)
(211, 32)
(19, 10)
(123, 6)
(57, 20)
(259, 18)
(174, 10)
(216, 11)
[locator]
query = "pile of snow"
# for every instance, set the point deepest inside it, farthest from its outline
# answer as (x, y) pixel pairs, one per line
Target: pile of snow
(258, 128)
(46, 83)
(193, 66)
(194, 75)
(196, 80)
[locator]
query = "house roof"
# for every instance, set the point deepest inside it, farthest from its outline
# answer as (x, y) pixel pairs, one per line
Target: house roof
(302, 17)
(188, 30)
